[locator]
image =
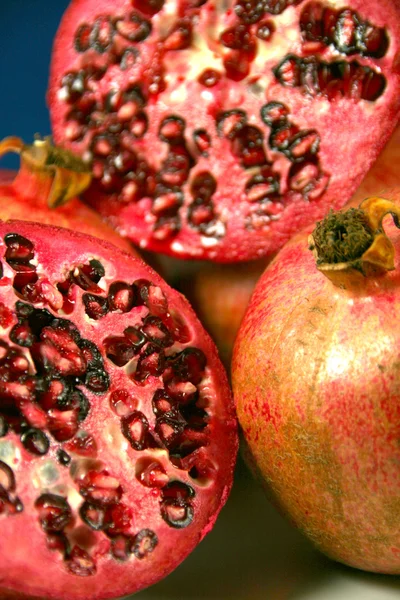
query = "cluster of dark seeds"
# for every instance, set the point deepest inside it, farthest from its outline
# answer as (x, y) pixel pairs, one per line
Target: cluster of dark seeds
(240, 39)
(18, 255)
(344, 29)
(105, 32)
(252, 11)
(331, 79)
(55, 515)
(173, 174)
(201, 211)
(50, 400)
(120, 119)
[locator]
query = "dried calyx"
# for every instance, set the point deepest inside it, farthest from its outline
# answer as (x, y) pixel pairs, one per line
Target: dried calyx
(347, 243)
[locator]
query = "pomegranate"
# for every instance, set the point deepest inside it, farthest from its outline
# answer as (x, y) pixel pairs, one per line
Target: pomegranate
(315, 378)
(384, 173)
(215, 130)
(50, 178)
(117, 428)
(220, 295)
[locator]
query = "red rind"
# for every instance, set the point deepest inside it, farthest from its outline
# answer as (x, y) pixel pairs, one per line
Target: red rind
(23, 197)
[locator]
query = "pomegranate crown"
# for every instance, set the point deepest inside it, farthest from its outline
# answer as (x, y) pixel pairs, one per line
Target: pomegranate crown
(352, 244)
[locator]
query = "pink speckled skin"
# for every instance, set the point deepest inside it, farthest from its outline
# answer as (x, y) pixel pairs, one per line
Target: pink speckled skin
(316, 379)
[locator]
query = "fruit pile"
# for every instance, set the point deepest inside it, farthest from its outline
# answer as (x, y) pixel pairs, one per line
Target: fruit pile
(196, 132)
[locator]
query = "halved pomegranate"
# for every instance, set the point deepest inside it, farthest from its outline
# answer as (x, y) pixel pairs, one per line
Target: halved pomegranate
(46, 187)
(117, 431)
(217, 129)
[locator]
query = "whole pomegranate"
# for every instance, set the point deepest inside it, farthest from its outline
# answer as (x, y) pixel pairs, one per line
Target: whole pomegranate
(217, 129)
(117, 428)
(220, 295)
(316, 383)
(384, 173)
(45, 190)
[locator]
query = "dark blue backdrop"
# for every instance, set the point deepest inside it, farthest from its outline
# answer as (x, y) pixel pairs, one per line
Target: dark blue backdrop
(27, 28)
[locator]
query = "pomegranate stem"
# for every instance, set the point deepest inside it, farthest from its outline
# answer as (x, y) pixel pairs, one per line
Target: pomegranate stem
(68, 174)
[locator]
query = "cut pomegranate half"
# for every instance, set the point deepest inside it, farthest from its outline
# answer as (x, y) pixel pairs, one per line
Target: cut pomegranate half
(117, 430)
(217, 129)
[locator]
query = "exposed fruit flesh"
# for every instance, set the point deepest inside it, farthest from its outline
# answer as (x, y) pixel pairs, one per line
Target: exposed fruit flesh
(25, 194)
(115, 456)
(284, 105)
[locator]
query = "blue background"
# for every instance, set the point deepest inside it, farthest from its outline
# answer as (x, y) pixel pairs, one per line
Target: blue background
(27, 29)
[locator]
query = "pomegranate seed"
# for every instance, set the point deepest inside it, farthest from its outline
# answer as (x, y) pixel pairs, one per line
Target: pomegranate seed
(35, 441)
(172, 129)
(101, 488)
(93, 515)
(121, 297)
(54, 512)
(7, 479)
(151, 474)
(81, 563)
(96, 307)
(122, 403)
(264, 30)
(19, 249)
(148, 7)
(82, 38)
(135, 427)
(144, 543)
(274, 114)
(119, 350)
(120, 547)
(151, 363)
(180, 36)
(83, 445)
(230, 122)
(102, 35)
(177, 514)
(155, 331)
(63, 458)
(118, 520)
(135, 29)
(202, 141)
(209, 78)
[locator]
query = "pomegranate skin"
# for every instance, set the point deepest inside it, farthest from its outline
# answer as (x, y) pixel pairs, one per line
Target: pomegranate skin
(316, 384)
(23, 197)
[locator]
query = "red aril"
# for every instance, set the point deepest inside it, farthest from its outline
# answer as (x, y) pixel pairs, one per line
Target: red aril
(117, 430)
(45, 190)
(316, 385)
(217, 130)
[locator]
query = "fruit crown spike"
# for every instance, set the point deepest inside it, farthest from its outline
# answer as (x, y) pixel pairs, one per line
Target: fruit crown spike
(351, 245)
(70, 176)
